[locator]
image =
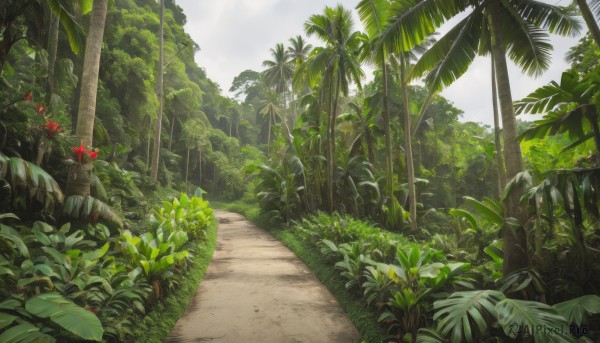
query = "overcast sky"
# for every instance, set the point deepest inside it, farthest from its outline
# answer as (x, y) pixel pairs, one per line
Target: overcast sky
(235, 35)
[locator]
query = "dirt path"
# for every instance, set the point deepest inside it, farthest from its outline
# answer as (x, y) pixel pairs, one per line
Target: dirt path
(256, 290)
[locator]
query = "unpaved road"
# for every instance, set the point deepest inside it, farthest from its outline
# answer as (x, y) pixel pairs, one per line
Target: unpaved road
(256, 290)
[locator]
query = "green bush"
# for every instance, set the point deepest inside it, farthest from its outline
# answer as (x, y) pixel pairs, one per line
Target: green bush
(184, 214)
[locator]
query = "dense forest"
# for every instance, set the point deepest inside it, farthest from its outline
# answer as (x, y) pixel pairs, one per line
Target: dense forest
(112, 136)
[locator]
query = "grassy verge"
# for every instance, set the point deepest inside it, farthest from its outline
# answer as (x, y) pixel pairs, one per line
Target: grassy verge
(157, 323)
(357, 310)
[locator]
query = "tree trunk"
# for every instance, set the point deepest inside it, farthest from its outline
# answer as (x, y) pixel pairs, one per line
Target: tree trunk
(515, 240)
(52, 47)
(332, 141)
(590, 21)
(410, 170)
(269, 135)
(386, 131)
(499, 161)
(592, 117)
(156, 149)
(89, 79)
(330, 145)
(187, 168)
(199, 167)
(171, 132)
(79, 180)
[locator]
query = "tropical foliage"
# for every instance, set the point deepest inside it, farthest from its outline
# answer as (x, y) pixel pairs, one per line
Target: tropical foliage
(449, 230)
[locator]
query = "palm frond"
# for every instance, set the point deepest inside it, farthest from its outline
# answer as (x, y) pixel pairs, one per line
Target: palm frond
(556, 19)
(89, 208)
(374, 15)
(411, 21)
(516, 315)
(450, 57)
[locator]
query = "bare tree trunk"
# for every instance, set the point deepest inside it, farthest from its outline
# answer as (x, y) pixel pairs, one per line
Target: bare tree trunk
(499, 161)
(410, 169)
(89, 79)
(386, 131)
(79, 176)
(156, 149)
(52, 47)
(515, 241)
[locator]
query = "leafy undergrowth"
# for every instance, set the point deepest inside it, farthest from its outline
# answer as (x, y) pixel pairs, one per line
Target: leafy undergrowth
(158, 323)
(355, 307)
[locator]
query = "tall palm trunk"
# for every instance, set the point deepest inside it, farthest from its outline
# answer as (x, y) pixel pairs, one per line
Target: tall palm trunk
(156, 148)
(386, 131)
(330, 144)
(515, 240)
(499, 161)
(590, 21)
(80, 176)
(410, 169)
(89, 79)
(332, 141)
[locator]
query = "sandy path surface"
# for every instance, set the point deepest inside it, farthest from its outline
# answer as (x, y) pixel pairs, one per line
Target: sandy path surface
(256, 290)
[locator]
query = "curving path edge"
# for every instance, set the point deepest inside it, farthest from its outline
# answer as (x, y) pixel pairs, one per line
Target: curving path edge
(257, 290)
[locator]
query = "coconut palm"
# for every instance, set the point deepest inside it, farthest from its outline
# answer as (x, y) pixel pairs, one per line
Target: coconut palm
(271, 111)
(336, 66)
(515, 28)
(279, 74)
(374, 15)
(79, 179)
(298, 50)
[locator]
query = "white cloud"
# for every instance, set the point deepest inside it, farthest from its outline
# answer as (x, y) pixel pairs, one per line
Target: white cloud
(235, 35)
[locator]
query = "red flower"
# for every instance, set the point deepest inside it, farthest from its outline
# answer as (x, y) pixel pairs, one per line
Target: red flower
(52, 128)
(40, 109)
(79, 152)
(28, 97)
(92, 154)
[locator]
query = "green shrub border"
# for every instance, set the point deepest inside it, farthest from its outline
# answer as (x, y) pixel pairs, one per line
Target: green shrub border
(364, 319)
(157, 323)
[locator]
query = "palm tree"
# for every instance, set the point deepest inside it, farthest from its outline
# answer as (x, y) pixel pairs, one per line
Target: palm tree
(374, 15)
(298, 50)
(79, 179)
(515, 27)
(271, 111)
(337, 66)
(279, 74)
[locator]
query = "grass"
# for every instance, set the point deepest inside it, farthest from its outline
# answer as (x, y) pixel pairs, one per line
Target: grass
(157, 323)
(355, 307)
